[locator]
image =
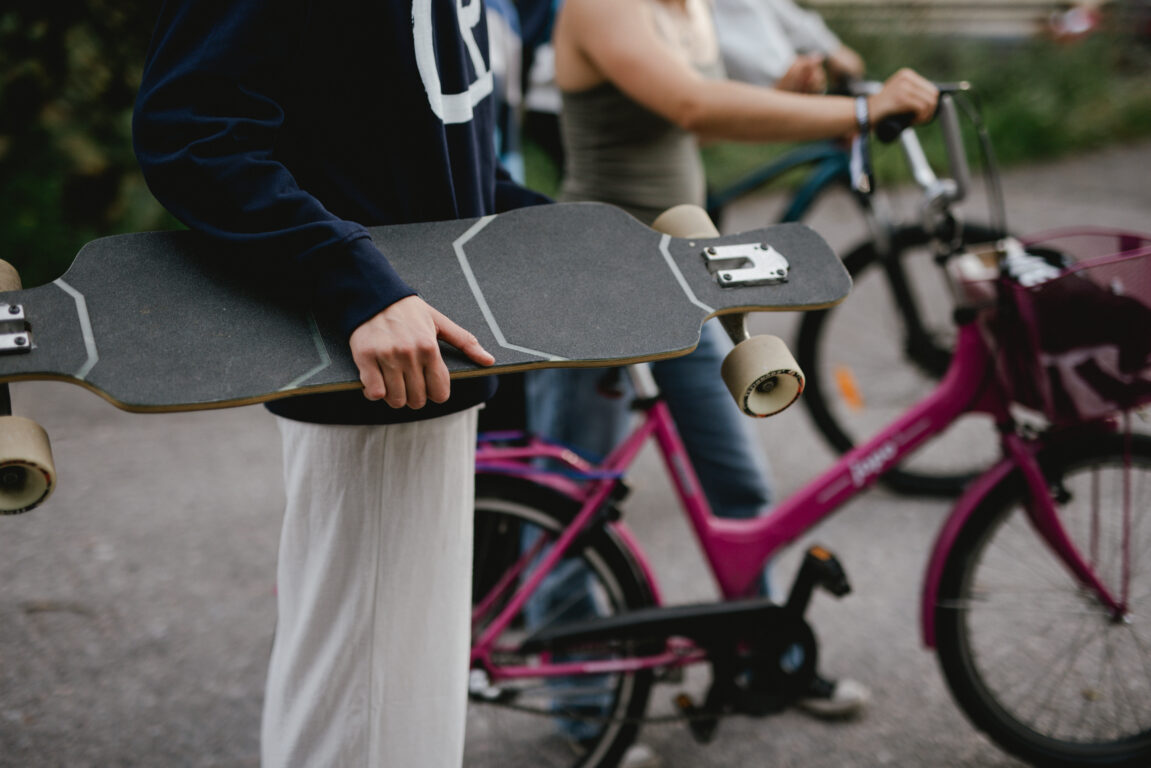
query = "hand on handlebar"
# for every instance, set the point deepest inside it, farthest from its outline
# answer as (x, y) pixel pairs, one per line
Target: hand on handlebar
(904, 93)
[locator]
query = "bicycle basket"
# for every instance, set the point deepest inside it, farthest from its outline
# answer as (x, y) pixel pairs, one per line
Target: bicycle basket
(1078, 347)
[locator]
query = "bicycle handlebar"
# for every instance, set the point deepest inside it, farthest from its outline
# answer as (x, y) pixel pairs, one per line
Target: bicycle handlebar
(889, 128)
(940, 193)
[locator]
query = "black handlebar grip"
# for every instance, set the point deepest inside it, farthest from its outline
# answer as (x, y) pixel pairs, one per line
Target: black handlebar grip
(888, 129)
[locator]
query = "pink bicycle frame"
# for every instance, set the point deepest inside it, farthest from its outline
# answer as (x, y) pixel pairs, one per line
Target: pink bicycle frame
(738, 550)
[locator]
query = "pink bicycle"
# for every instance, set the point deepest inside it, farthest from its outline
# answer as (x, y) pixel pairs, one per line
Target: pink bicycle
(1036, 595)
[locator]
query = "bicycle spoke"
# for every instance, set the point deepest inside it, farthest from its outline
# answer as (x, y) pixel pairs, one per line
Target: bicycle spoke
(1032, 656)
(1120, 684)
(1015, 609)
(1038, 560)
(553, 693)
(537, 721)
(1145, 655)
(1067, 660)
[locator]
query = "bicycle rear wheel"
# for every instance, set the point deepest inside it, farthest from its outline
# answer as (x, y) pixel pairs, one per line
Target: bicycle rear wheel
(1030, 656)
(877, 353)
(598, 578)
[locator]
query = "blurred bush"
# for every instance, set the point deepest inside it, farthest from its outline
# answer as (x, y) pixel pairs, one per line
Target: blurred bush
(69, 71)
(68, 76)
(1040, 97)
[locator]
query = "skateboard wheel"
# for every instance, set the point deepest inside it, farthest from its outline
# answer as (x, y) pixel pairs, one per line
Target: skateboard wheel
(762, 376)
(685, 221)
(9, 277)
(27, 473)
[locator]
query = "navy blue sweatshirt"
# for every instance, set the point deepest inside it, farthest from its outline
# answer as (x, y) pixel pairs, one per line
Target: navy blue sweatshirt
(290, 125)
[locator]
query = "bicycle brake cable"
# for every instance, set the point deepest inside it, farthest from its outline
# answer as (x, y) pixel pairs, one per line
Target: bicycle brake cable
(997, 207)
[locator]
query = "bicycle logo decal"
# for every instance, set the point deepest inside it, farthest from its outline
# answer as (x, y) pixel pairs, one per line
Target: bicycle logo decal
(872, 464)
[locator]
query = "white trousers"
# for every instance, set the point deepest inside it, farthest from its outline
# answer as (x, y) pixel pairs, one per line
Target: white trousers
(370, 661)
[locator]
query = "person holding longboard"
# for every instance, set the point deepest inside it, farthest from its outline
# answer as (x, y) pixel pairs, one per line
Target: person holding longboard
(288, 128)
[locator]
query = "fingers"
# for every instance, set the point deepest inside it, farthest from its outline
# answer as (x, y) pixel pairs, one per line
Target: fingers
(816, 75)
(805, 75)
(906, 91)
(463, 340)
(397, 371)
(398, 356)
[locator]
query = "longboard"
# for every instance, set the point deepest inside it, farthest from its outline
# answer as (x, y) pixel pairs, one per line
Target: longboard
(170, 321)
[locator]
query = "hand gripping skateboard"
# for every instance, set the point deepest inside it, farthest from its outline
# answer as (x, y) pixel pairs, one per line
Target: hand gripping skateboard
(168, 321)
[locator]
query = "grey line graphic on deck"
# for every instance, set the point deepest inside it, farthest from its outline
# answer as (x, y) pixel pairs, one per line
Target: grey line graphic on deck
(458, 245)
(85, 329)
(321, 350)
(664, 242)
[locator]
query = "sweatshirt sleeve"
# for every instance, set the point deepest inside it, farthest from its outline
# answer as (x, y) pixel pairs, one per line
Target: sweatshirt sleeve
(208, 112)
(510, 194)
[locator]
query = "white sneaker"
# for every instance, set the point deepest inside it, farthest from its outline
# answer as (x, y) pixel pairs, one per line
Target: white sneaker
(834, 698)
(640, 755)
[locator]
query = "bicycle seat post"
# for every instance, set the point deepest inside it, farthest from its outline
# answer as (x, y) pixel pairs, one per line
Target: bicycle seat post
(643, 382)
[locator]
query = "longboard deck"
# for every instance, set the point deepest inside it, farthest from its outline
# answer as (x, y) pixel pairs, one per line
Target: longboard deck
(163, 322)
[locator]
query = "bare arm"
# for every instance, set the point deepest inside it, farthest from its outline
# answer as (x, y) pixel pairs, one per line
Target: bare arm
(599, 40)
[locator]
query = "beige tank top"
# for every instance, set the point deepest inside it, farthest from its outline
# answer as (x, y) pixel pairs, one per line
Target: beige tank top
(619, 152)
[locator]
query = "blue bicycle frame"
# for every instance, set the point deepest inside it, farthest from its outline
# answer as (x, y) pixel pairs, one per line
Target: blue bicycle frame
(831, 161)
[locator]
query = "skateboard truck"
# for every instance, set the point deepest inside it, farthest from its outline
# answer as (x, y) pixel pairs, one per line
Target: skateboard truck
(760, 373)
(14, 335)
(27, 472)
(746, 264)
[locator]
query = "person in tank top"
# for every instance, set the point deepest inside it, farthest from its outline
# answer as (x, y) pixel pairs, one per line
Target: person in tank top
(642, 84)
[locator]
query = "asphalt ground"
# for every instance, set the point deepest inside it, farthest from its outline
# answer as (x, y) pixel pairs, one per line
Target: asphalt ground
(137, 605)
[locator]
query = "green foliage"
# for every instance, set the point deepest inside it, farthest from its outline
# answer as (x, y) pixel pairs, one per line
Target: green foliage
(69, 70)
(68, 77)
(540, 172)
(1039, 99)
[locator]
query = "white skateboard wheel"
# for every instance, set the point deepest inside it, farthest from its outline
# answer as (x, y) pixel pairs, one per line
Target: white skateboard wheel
(685, 221)
(27, 472)
(762, 376)
(9, 277)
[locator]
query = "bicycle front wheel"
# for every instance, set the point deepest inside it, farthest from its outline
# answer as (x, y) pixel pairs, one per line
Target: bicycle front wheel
(1030, 655)
(883, 349)
(585, 720)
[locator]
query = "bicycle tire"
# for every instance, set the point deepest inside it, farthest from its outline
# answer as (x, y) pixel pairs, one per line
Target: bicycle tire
(506, 507)
(878, 344)
(1089, 704)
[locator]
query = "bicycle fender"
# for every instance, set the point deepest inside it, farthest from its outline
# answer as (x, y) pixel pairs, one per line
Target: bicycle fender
(970, 499)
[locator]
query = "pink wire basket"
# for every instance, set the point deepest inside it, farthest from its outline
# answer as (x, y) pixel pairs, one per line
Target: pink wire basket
(1077, 347)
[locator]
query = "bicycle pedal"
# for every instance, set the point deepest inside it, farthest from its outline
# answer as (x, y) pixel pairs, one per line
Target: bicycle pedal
(702, 726)
(820, 568)
(829, 572)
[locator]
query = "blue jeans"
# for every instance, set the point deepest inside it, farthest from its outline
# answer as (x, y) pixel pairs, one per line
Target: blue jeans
(568, 406)
(564, 405)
